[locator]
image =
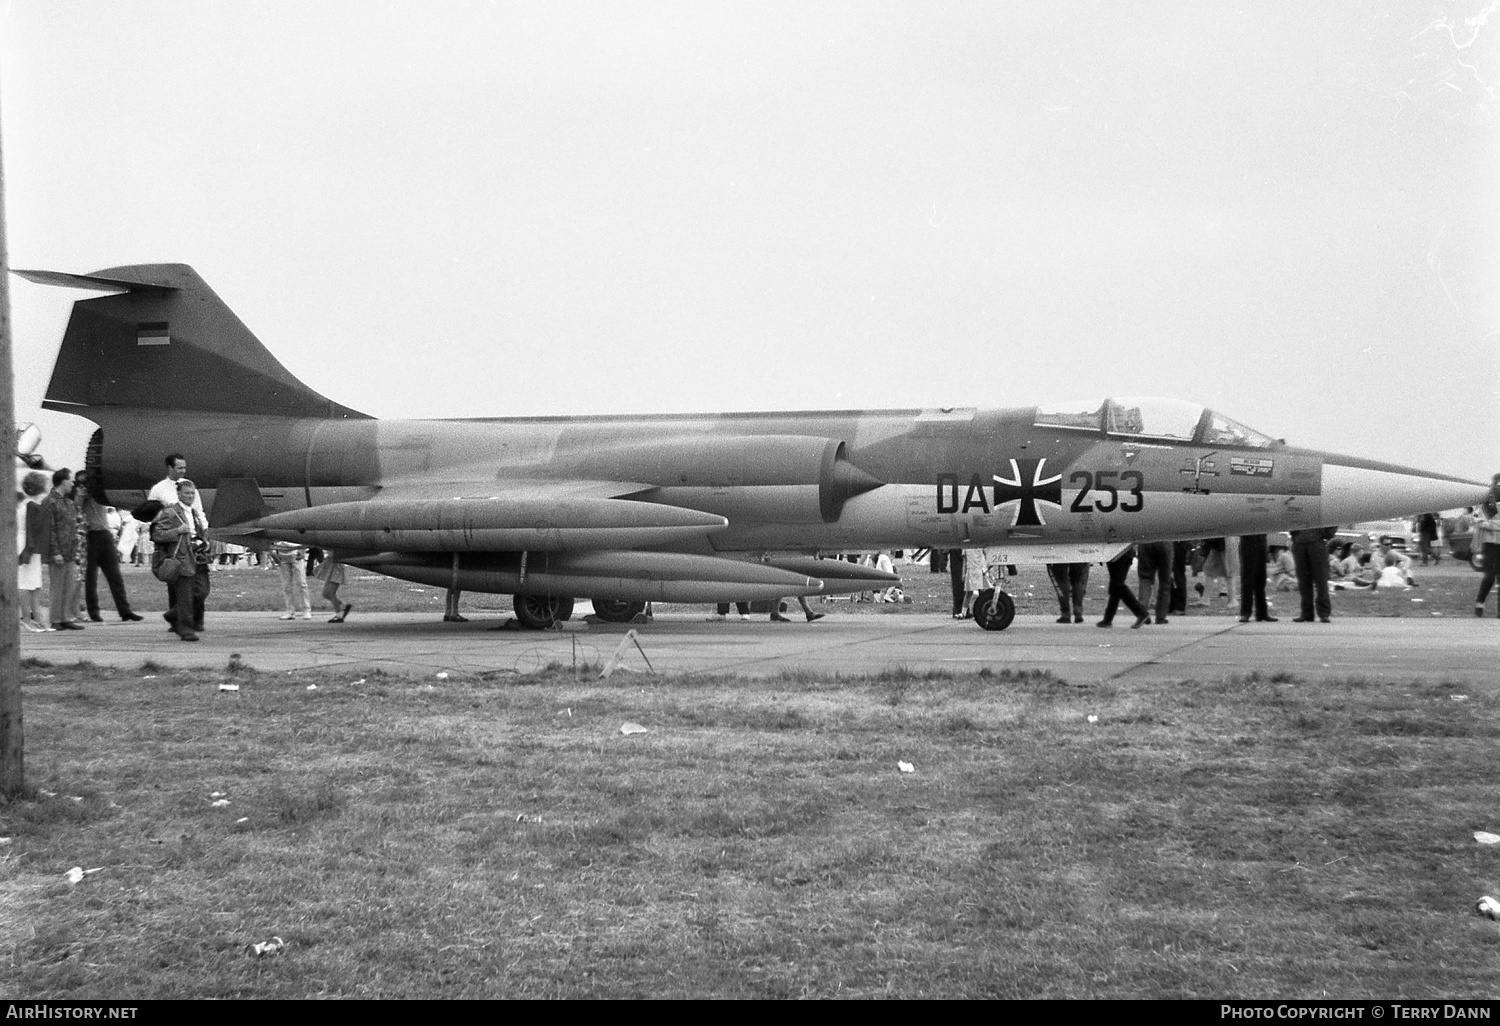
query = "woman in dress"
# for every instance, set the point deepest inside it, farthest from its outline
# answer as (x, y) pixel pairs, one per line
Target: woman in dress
(331, 572)
(976, 578)
(31, 531)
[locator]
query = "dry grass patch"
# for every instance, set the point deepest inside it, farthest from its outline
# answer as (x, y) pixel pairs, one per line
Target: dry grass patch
(499, 837)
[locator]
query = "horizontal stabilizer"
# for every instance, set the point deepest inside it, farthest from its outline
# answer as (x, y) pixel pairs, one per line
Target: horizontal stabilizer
(91, 282)
(490, 525)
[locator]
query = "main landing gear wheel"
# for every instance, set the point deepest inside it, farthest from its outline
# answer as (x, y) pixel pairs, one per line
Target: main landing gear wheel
(617, 610)
(994, 609)
(538, 612)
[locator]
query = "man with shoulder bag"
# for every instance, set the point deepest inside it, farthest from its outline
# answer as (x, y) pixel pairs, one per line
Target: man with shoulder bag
(181, 560)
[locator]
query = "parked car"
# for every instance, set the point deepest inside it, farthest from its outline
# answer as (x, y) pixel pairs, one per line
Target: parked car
(1397, 532)
(1458, 537)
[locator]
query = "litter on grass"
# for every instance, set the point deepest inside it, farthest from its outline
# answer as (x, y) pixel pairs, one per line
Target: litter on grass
(274, 946)
(1093, 718)
(1486, 838)
(221, 803)
(1488, 907)
(906, 767)
(229, 687)
(312, 687)
(442, 675)
(1459, 698)
(632, 728)
(75, 875)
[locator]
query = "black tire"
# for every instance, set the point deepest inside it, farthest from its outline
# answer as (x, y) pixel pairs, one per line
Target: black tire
(994, 609)
(538, 612)
(617, 610)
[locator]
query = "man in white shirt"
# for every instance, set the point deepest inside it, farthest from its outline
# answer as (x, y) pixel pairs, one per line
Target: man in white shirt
(165, 490)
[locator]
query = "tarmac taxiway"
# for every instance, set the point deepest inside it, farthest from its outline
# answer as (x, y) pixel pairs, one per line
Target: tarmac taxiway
(1191, 648)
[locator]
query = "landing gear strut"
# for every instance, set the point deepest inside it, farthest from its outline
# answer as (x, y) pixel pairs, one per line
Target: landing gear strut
(538, 612)
(994, 609)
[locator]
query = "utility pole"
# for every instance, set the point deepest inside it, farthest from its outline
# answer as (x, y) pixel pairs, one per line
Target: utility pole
(12, 750)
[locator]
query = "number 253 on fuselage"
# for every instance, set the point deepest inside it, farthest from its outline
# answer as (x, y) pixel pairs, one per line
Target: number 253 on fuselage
(624, 510)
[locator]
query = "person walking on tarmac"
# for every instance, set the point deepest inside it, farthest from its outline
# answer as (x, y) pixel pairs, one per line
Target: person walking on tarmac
(1119, 590)
(1156, 576)
(1487, 541)
(103, 555)
(165, 492)
(179, 529)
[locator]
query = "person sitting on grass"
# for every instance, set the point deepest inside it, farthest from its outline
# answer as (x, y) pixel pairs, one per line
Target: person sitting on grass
(1282, 569)
(1385, 558)
(1354, 570)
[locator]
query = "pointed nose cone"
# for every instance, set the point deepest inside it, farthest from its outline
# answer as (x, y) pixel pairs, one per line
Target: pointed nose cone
(1356, 489)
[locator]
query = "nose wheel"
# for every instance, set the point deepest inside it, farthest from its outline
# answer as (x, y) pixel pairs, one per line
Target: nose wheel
(994, 609)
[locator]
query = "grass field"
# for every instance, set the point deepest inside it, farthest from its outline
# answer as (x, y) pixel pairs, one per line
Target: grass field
(498, 836)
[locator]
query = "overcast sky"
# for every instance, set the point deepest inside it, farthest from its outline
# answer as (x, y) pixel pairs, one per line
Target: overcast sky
(1287, 211)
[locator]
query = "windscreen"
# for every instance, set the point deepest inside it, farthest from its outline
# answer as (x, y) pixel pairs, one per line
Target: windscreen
(1152, 417)
(1158, 418)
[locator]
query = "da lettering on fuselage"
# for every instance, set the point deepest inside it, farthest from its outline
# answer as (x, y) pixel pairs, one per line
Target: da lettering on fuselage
(1025, 490)
(1029, 489)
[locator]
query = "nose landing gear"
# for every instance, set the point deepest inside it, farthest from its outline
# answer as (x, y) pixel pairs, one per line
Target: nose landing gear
(994, 609)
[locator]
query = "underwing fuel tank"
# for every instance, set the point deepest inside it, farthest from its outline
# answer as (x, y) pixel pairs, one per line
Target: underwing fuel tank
(488, 525)
(626, 576)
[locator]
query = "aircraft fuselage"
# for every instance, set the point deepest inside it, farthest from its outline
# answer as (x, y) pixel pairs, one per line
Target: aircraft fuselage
(945, 479)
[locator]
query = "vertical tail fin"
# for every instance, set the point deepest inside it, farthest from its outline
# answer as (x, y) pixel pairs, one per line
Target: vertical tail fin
(166, 341)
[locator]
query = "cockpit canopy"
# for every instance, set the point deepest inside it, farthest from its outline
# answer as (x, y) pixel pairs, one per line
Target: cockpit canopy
(1174, 420)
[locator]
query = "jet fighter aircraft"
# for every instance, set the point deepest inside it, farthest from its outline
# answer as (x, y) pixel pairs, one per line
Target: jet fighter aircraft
(623, 510)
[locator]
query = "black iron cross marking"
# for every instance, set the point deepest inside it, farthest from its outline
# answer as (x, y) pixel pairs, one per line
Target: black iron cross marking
(1026, 487)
